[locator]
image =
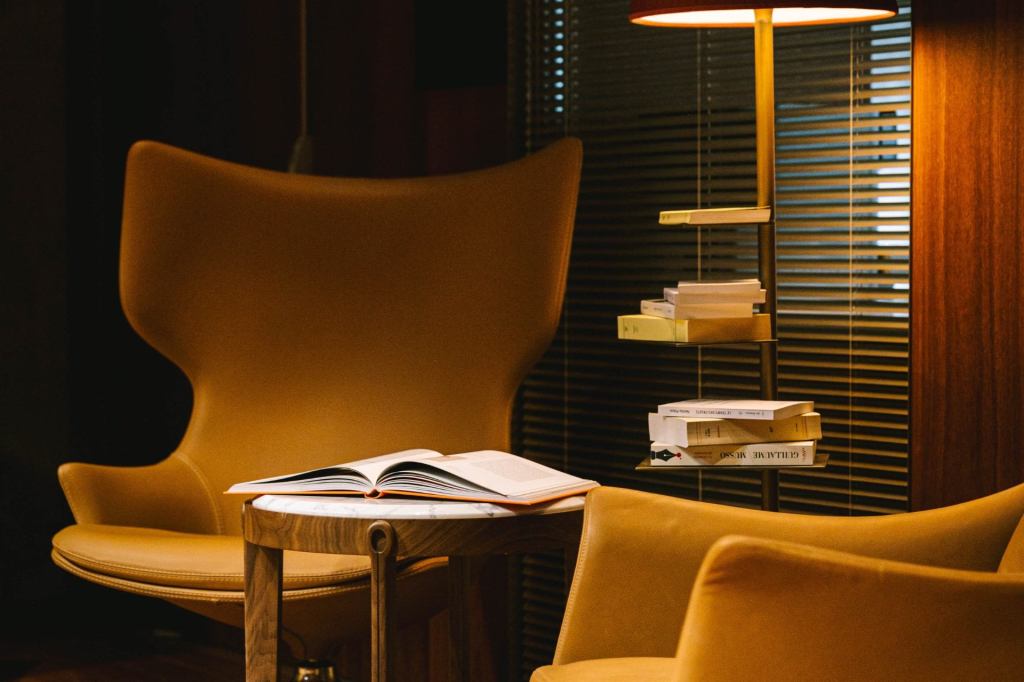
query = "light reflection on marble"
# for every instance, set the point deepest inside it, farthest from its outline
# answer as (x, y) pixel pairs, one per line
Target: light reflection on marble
(404, 508)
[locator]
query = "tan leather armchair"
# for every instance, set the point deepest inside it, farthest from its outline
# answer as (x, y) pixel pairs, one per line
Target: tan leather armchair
(319, 320)
(671, 589)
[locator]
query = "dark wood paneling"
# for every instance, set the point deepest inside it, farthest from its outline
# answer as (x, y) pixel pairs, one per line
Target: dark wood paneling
(465, 128)
(82, 80)
(33, 299)
(967, 395)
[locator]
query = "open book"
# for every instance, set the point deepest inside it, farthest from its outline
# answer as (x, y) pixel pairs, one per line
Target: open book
(484, 476)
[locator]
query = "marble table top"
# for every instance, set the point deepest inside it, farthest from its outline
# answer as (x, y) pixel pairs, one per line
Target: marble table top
(404, 508)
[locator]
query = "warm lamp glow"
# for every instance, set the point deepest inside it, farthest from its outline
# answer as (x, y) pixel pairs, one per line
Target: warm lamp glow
(721, 13)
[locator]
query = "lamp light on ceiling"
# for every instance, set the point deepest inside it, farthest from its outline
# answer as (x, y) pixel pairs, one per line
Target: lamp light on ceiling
(709, 13)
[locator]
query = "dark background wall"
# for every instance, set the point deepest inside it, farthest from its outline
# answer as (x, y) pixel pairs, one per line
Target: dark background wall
(396, 88)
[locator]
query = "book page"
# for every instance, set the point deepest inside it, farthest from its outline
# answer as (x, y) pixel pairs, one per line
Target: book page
(357, 476)
(497, 471)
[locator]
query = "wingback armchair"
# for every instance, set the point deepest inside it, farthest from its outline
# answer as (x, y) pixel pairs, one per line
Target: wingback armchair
(677, 590)
(319, 320)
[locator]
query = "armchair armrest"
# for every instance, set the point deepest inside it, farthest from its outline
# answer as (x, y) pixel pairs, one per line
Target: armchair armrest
(640, 554)
(170, 495)
(802, 612)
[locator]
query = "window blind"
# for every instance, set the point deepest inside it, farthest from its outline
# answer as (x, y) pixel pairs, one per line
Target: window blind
(667, 121)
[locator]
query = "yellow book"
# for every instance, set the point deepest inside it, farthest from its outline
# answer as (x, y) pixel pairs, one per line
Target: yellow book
(716, 216)
(709, 330)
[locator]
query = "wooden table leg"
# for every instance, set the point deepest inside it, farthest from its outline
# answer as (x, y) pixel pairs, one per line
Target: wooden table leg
(460, 584)
(381, 539)
(262, 612)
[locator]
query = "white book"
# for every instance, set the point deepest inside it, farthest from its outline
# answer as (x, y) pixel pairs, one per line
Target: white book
(690, 431)
(716, 216)
(484, 475)
(719, 286)
(659, 307)
(736, 409)
(690, 295)
(791, 453)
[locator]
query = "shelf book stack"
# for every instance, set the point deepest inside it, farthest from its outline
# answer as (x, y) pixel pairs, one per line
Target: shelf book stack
(765, 433)
(701, 312)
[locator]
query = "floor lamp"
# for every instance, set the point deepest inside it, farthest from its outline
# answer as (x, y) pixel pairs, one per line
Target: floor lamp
(762, 15)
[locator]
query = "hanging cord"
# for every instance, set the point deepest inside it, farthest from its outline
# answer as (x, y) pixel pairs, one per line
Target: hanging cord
(300, 643)
(301, 160)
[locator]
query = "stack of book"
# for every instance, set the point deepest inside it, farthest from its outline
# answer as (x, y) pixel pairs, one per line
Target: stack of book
(771, 433)
(701, 312)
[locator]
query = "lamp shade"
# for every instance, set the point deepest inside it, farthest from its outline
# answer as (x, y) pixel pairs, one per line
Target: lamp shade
(722, 13)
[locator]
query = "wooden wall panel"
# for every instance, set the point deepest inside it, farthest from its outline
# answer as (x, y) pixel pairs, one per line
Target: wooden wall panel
(967, 394)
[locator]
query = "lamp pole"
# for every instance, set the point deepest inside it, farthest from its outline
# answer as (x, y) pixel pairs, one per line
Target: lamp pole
(764, 101)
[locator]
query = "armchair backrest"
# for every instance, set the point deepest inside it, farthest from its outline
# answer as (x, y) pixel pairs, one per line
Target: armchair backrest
(321, 320)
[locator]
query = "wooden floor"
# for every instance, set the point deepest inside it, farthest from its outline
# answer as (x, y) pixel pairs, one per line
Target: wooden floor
(151, 658)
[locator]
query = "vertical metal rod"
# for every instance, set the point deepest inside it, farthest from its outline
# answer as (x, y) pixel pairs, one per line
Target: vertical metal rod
(764, 99)
(303, 70)
(764, 87)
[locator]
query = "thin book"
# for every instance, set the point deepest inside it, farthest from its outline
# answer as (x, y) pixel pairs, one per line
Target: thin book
(736, 409)
(660, 307)
(479, 476)
(717, 286)
(715, 293)
(716, 216)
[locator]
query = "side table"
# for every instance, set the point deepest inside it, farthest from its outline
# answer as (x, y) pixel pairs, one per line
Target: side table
(385, 529)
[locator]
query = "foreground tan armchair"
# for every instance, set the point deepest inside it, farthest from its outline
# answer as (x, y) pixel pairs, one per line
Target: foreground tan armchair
(932, 595)
(319, 320)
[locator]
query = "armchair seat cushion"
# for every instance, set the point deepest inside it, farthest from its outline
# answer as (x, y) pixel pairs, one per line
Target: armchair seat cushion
(189, 560)
(633, 669)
